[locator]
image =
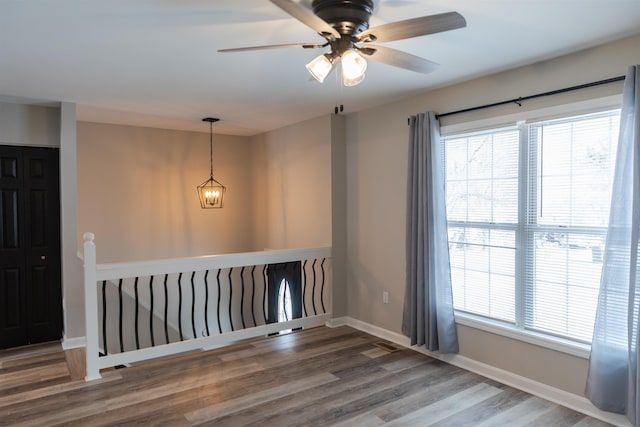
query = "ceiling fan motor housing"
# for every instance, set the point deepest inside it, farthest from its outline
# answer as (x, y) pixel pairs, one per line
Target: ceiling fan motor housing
(348, 17)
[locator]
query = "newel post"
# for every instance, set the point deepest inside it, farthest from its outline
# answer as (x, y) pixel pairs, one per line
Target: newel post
(91, 308)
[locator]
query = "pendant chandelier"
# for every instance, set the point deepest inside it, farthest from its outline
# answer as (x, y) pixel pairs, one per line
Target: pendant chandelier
(211, 192)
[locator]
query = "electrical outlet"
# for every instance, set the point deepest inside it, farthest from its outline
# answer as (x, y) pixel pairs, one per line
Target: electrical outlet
(385, 297)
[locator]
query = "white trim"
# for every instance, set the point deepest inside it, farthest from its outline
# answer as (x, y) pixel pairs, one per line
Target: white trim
(530, 337)
(210, 262)
(212, 341)
(544, 391)
(378, 331)
(75, 342)
(337, 322)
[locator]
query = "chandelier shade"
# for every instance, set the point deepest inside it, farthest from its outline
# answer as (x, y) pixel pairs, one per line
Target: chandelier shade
(352, 63)
(320, 67)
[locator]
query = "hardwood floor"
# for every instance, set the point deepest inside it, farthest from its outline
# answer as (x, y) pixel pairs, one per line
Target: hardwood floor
(317, 377)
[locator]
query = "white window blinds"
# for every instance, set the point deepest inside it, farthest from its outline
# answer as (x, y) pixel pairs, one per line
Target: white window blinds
(482, 210)
(571, 165)
(528, 209)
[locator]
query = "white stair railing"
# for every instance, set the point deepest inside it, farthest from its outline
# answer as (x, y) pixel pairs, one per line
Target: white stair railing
(227, 296)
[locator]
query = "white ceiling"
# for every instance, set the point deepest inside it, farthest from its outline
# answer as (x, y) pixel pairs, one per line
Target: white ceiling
(155, 62)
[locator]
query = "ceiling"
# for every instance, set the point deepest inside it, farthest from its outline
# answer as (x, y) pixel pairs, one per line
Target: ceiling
(155, 62)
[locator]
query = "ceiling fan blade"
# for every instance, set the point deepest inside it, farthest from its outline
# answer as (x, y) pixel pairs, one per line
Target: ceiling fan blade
(414, 27)
(308, 18)
(400, 59)
(274, 46)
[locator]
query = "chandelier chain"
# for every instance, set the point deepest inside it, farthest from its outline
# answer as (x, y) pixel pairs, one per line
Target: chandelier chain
(211, 147)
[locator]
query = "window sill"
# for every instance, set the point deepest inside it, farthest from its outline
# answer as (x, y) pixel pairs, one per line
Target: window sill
(529, 337)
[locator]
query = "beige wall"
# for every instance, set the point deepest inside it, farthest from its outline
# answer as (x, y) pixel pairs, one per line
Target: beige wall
(295, 188)
(29, 125)
(278, 190)
(137, 192)
(376, 196)
(300, 193)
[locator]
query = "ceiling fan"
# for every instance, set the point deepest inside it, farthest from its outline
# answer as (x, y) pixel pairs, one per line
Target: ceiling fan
(344, 24)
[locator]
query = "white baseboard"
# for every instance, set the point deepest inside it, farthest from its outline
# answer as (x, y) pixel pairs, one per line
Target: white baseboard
(75, 342)
(544, 391)
(338, 321)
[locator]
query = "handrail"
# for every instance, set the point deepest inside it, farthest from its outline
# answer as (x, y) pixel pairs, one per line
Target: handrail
(209, 262)
(98, 275)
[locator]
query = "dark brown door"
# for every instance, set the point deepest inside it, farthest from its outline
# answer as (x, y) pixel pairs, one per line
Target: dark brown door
(30, 291)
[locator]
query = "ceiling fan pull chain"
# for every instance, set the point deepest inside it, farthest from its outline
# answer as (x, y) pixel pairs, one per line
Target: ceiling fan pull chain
(336, 109)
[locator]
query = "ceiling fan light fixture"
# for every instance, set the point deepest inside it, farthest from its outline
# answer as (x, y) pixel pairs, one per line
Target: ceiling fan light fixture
(320, 67)
(344, 25)
(353, 67)
(352, 82)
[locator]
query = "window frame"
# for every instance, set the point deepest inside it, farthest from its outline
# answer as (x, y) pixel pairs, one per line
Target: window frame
(524, 231)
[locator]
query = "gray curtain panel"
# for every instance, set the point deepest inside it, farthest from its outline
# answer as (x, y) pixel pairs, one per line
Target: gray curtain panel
(612, 383)
(428, 317)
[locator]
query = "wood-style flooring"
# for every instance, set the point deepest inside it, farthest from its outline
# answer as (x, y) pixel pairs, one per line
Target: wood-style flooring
(316, 377)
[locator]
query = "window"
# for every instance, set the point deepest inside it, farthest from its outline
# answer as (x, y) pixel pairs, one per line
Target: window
(528, 209)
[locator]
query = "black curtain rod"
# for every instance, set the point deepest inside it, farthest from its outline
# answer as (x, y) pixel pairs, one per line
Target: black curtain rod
(537, 95)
